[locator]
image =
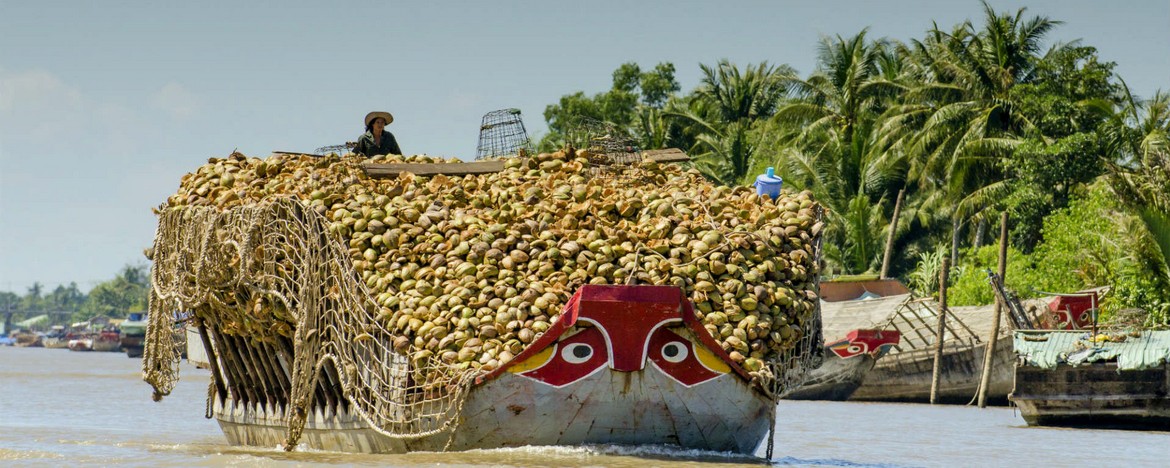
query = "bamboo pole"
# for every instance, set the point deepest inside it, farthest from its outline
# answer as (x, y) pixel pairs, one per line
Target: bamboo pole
(890, 237)
(940, 335)
(985, 380)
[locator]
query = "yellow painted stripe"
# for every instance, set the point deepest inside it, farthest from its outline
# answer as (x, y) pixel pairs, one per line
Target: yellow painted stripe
(709, 360)
(537, 360)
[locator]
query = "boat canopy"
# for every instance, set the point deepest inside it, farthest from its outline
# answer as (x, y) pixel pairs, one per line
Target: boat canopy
(1132, 351)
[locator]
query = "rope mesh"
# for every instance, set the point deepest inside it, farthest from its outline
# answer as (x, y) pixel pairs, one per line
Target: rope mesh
(268, 270)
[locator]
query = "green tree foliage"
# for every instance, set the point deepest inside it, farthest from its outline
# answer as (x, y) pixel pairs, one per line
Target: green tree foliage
(634, 104)
(971, 121)
(126, 293)
(721, 116)
(1093, 242)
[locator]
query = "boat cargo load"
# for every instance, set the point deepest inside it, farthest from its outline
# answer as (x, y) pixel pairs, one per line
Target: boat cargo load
(357, 305)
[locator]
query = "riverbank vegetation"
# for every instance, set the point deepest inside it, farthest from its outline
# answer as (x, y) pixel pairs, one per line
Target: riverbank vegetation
(968, 121)
(115, 298)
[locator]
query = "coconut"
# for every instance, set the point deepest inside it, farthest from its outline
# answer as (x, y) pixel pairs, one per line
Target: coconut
(470, 269)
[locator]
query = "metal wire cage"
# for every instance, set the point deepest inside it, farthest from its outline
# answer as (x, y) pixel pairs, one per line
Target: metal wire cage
(339, 149)
(502, 134)
(609, 149)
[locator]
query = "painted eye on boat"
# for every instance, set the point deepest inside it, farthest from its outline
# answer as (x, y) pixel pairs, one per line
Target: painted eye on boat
(674, 351)
(856, 349)
(577, 353)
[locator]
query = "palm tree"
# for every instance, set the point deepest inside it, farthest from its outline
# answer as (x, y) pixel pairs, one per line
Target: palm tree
(719, 117)
(824, 137)
(961, 121)
(1142, 178)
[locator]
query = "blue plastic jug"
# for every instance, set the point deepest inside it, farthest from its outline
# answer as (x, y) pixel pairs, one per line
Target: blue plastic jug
(768, 184)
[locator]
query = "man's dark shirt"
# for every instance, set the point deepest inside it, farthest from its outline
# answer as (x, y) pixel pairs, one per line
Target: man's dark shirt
(367, 147)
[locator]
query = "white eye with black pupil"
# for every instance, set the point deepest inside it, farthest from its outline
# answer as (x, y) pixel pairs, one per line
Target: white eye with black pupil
(674, 352)
(577, 353)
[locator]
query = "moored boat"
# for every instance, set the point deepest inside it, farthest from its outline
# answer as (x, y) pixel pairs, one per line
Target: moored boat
(107, 341)
(27, 340)
(55, 338)
(1112, 380)
(133, 334)
(81, 343)
(905, 374)
(849, 312)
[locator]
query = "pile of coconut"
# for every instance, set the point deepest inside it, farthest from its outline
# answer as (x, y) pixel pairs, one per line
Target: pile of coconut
(472, 268)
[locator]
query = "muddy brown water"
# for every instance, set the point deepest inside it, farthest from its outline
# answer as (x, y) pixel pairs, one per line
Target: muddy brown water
(59, 407)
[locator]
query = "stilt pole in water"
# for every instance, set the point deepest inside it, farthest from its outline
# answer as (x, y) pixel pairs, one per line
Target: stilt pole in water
(985, 380)
(890, 237)
(940, 334)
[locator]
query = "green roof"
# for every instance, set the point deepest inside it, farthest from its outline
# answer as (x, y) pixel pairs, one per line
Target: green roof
(33, 321)
(1049, 348)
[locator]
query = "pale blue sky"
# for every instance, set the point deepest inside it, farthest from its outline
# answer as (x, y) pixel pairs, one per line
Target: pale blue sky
(104, 105)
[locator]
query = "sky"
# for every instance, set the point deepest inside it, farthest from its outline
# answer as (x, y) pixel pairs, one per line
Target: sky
(105, 105)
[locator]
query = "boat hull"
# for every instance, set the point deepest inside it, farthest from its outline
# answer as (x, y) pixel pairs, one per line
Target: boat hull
(132, 344)
(835, 380)
(622, 408)
(1096, 395)
(906, 376)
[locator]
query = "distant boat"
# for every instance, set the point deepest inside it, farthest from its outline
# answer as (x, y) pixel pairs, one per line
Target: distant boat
(55, 339)
(81, 344)
(133, 334)
(27, 340)
(107, 340)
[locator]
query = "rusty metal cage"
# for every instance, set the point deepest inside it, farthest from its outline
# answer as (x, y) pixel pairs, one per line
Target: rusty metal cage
(502, 134)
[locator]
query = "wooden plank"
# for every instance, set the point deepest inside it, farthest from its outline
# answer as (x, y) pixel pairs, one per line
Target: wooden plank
(668, 155)
(256, 371)
(393, 170)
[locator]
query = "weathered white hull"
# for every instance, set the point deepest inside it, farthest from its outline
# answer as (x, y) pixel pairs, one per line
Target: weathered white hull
(646, 407)
(835, 380)
(195, 353)
(906, 376)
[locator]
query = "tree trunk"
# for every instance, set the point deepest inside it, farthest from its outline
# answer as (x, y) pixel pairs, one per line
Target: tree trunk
(890, 238)
(955, 227)
(980, 230)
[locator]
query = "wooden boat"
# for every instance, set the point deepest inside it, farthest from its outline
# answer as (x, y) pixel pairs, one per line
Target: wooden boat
(849, 312)
(622, 365)
(55, 339)
(132, 334)
(27, 340)
(81, 344)
(1121, 381)
(905, 374)
(107, 341)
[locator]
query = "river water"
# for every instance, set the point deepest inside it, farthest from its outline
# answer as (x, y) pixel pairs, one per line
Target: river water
(60, 407)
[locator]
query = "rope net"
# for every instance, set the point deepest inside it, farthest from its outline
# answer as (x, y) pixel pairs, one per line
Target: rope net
(790, 369)
(265, 271)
